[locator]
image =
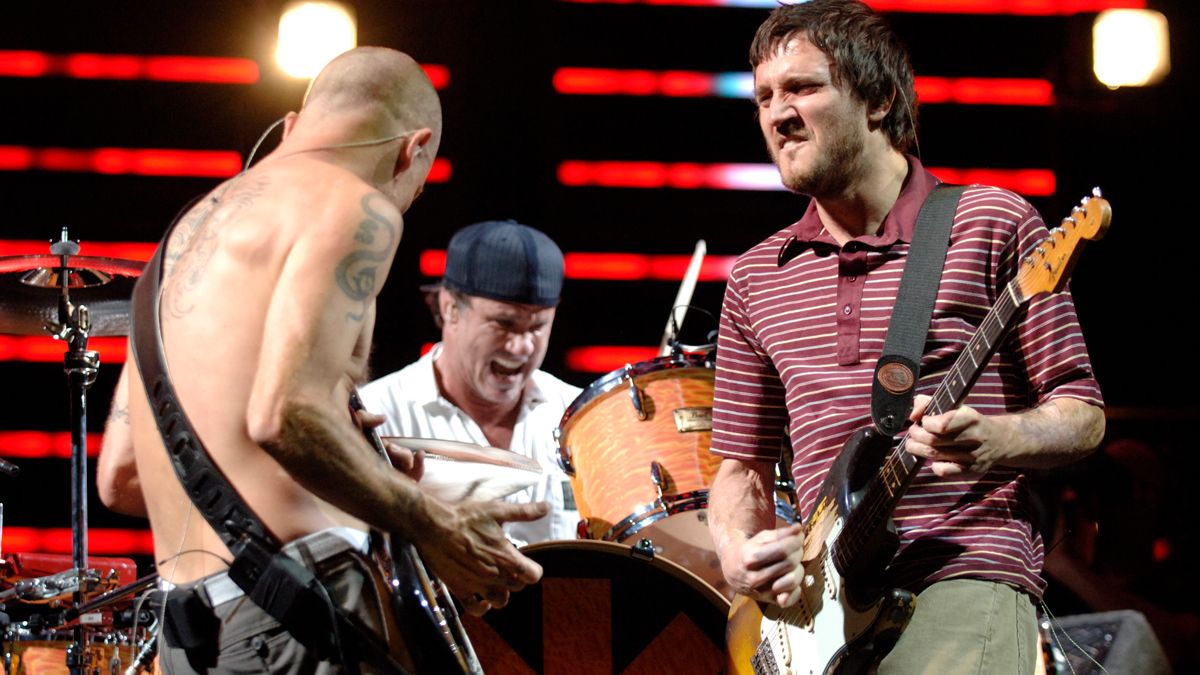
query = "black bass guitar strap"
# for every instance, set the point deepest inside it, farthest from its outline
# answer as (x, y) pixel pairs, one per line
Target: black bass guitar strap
(273, 580)
(899, 369)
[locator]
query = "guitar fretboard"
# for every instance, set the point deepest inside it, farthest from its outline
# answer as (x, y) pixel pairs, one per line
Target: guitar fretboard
(900, 467)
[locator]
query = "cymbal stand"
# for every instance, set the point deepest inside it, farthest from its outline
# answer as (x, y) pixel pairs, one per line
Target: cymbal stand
(81, 366)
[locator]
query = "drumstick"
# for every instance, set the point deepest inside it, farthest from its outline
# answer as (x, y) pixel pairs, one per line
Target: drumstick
(684, 296)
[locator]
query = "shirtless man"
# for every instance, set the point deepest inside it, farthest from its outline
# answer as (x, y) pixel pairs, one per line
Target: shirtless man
(268, 305)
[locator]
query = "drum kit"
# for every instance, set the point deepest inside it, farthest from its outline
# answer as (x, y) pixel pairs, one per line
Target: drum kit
(59, 613)
(641, 590)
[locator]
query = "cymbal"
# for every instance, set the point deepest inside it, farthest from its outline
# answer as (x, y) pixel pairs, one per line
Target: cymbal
(455, 471)
(30, 286)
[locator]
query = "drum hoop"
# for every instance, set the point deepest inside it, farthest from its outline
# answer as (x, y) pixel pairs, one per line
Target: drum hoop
(710, 594)
(648, 514)
(616, 378)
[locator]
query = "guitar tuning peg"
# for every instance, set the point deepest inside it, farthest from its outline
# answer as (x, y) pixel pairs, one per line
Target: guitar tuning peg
(1029, 261)
(1096, 192)
(1049, 267)
(1057, 231)
(1040, 250)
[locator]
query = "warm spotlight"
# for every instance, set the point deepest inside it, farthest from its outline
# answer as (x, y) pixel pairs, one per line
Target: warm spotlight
(1130, 47)
(311, 34)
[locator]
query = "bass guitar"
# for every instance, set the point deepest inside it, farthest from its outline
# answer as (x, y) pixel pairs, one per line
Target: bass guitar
(846, 620)
(428, 634)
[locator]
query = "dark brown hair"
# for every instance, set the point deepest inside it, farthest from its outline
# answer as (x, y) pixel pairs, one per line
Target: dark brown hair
(866, 56)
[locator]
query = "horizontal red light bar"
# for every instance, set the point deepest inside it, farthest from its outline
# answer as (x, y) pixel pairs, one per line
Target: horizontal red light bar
(104, 541)
(681, 175)
(126, 250)
(44, 444)
(207, 69)
(1022, 7)
(1028, 182)
(606, 358)
(960, 90)
(985, 91)
(613, 266)
(143, 162)
(201, 69)
(45, 349)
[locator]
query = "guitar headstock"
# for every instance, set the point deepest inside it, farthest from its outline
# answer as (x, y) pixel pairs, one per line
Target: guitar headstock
(1047, 269)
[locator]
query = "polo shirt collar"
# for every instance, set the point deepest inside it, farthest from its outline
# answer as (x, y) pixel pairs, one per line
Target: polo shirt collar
(897, 226)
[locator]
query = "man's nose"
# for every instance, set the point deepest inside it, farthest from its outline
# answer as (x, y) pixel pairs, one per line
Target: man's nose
(520, 344)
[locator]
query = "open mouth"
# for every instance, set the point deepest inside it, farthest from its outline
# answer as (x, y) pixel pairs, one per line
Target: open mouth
(505, 368)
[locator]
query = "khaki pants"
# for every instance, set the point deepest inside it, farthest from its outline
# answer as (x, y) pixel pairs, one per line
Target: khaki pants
(967, 627)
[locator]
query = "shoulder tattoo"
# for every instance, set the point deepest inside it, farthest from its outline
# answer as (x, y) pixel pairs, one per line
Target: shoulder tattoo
(356, 273)
(188, 256)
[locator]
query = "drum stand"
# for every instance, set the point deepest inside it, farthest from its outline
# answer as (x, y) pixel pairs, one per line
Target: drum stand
(81, 366)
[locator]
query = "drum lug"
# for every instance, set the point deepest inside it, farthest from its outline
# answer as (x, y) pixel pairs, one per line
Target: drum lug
(635, 394)
(644, 549)
(656, 477)
(565, 456)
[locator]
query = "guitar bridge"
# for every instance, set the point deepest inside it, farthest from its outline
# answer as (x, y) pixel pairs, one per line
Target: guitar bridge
(763, 661)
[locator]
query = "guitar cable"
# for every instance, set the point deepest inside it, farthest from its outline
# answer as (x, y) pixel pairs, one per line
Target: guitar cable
(1057, 632)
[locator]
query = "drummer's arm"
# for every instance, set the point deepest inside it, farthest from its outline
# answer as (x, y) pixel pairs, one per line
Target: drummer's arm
(116, 470)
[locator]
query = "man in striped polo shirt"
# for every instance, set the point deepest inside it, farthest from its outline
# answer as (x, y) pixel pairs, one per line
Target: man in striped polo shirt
(804, 321)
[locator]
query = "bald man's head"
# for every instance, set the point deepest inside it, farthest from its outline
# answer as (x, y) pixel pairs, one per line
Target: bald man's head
(376, 92)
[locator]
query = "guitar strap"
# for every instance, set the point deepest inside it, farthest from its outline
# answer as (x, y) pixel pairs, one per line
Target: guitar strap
(898, 370)
(273, 580)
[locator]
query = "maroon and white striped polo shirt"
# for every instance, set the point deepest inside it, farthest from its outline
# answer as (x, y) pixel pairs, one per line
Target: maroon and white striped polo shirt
(797, 350)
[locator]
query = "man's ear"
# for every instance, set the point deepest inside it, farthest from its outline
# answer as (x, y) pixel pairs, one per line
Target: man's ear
(414, 145)
(289, 121)
(877, 112)
(447, 307)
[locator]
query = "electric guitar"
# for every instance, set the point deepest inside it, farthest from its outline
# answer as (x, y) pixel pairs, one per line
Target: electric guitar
(846, 619)
(428, 636)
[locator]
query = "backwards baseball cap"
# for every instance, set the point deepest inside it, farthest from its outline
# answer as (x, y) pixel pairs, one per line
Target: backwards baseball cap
(507, 261)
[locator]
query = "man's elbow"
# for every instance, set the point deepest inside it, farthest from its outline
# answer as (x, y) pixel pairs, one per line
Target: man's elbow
(265, 421)
(1093, 428)
(121, 494)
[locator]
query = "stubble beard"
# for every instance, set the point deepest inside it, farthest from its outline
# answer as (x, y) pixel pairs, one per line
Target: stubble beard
(833, 171)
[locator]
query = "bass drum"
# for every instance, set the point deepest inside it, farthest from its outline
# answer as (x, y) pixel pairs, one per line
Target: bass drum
(603, 608)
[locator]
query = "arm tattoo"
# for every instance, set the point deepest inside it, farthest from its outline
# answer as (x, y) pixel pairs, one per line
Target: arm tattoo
(356, 272)
(119, 414)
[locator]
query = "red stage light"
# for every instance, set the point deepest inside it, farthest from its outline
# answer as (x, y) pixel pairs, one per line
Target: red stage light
(606, 358)
(590, 266)
(44, 444)
(103, 541)
(45, 349)
(1024, 7)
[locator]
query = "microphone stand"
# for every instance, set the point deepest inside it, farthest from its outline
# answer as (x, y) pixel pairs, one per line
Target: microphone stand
(81, 366)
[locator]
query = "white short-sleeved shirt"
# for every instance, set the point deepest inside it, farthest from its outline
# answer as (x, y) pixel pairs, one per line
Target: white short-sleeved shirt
(415, 408)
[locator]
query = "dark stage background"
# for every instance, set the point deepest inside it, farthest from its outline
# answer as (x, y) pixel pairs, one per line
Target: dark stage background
(506, 132)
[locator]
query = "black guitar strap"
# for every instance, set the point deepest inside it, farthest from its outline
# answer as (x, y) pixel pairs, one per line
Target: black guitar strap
(273, 580)
(897, 371)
